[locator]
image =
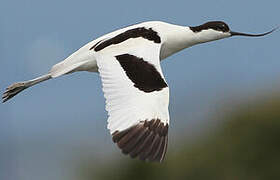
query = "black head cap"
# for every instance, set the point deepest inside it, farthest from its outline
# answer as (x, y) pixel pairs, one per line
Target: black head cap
(215, 25)
(223, 27)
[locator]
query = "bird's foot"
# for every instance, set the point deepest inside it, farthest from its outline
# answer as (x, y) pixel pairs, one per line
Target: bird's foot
(13, 90)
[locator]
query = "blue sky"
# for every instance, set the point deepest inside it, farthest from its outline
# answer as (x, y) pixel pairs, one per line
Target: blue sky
(64, 118)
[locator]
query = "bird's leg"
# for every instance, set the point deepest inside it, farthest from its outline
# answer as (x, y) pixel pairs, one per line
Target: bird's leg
(16, 88)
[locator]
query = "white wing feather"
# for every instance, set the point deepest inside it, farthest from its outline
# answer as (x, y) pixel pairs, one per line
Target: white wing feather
(126, 104)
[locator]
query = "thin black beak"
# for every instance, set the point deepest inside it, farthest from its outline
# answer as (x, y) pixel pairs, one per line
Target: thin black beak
(251, 35)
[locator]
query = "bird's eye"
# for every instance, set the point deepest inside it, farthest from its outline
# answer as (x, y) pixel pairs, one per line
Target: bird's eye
(219, 28)
(222, 28)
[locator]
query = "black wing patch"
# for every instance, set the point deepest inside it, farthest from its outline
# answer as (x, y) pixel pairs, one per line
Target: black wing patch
(143, 74)
(146, 140)
(148, 34)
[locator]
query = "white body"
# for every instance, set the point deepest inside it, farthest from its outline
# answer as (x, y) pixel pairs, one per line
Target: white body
(137, 95)
(174, 37)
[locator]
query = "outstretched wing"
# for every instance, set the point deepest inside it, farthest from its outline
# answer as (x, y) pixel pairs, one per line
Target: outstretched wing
(137, 96)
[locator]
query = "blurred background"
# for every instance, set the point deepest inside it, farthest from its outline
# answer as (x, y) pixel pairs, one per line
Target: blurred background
(224, 102)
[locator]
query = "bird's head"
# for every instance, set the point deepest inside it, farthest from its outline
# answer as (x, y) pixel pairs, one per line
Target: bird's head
(215, 30)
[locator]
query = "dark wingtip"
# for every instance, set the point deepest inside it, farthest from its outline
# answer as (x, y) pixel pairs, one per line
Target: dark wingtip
(146, 140)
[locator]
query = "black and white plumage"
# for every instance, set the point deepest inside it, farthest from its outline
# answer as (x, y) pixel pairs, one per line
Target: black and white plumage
(137, 95)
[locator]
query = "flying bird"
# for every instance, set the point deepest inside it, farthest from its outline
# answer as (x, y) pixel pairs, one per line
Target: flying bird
(136, 92)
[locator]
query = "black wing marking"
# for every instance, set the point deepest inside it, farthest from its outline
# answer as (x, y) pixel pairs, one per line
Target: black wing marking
(143, 74)
(148, 34)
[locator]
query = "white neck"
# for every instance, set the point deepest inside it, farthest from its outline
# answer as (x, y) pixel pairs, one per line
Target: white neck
(177, 38)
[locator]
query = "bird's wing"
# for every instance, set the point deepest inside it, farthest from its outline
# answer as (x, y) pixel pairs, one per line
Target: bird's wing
(137, 97)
